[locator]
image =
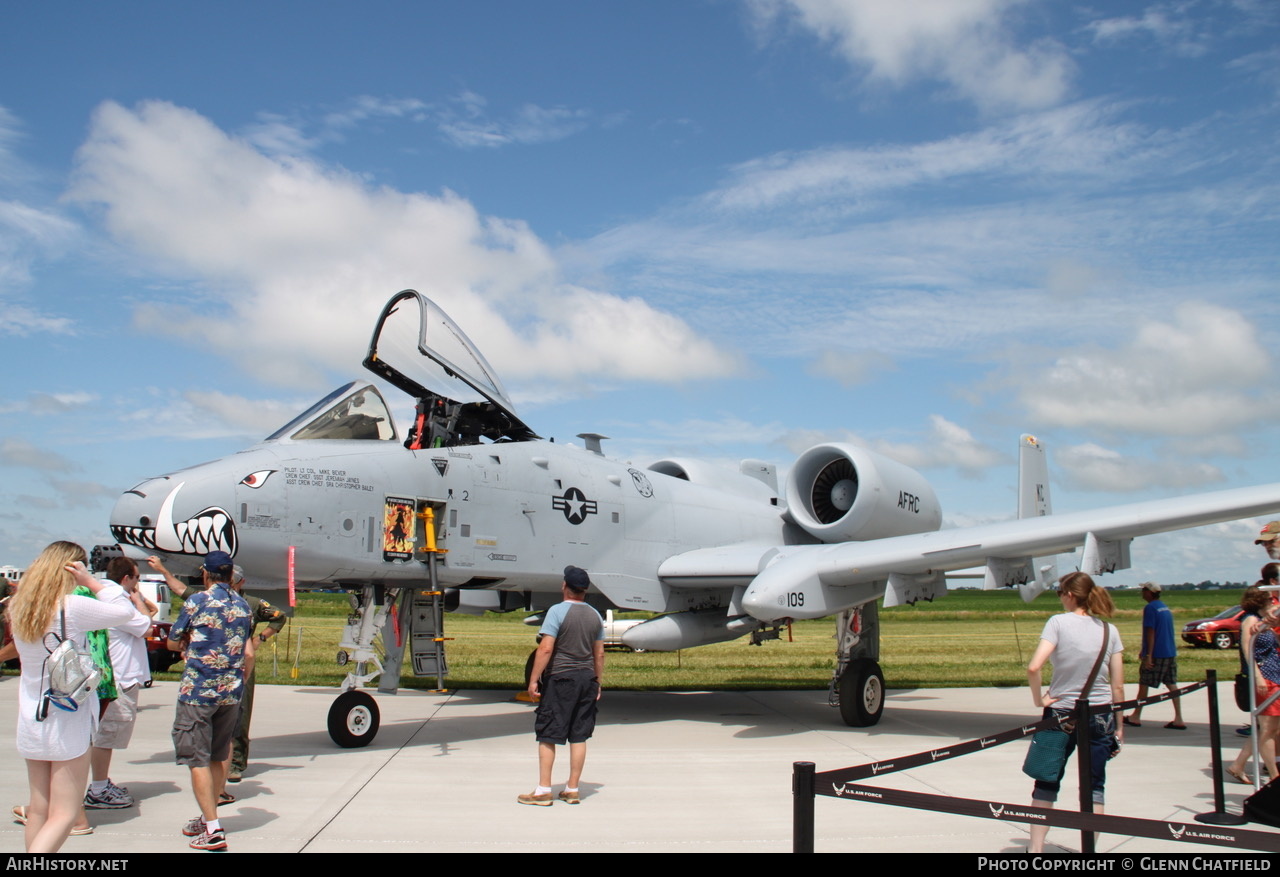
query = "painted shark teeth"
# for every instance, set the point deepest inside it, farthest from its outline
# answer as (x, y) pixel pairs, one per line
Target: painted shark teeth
(209, 530)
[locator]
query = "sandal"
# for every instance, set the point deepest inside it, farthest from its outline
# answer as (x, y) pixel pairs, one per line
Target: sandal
(19, 812)
(1131, 723)
(224, 798)
(1238, 776)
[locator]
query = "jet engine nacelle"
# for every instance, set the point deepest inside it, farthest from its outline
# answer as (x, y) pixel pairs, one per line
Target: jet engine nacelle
(718, 477)
(842, 493)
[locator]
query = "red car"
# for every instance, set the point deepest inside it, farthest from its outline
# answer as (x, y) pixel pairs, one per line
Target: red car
(1222, 631)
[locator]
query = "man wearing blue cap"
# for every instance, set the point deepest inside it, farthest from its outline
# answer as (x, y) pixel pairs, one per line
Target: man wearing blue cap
(211, 631)
(571, 652)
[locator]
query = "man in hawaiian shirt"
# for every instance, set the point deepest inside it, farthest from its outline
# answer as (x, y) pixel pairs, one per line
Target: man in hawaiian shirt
(212, 630)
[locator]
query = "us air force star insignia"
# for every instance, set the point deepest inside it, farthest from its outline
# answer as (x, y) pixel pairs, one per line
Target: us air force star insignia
(641, 482)
(575, 505)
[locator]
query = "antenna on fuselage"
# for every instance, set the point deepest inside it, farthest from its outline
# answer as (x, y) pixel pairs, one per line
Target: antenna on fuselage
(593, 440)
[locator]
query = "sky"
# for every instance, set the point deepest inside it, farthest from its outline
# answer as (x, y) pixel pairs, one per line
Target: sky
(715, 229)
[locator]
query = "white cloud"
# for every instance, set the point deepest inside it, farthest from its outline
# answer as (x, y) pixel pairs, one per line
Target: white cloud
(1092, 467)
(83, 494)
(296, 259)
(465, 121)
(21, 453)
(27, 234)
(1202, 374)
(1163, 23)
(969, 45)
(278, 134)
(944, 445)
(58, 403)
(1080, 142)
(250, 417)
(850, 368)
(947, 445)
(19, 320)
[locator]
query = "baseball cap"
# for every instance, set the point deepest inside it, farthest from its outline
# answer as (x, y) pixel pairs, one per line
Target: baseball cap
(1270, 533)
(576, 578)
(215, 561)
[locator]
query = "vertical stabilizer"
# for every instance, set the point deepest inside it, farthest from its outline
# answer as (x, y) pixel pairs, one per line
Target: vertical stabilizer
(1034, 502)
(1033, 479)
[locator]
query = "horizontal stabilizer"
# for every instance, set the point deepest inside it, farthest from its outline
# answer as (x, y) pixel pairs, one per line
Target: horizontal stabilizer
(1047, 577)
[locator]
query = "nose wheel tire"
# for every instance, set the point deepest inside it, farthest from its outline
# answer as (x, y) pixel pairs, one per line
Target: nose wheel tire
(353, 720)
(861, 693)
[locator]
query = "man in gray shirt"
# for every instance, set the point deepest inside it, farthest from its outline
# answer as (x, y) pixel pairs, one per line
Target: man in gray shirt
(565, 683)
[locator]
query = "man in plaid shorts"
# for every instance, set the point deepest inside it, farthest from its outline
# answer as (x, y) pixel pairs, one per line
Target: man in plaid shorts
(1158, 659)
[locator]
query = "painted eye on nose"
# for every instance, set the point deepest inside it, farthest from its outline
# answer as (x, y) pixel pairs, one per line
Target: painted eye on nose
(257, 479)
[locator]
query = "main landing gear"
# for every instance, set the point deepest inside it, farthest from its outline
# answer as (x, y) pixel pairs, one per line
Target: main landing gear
(354, 717)
(857, 685)
(861, 692)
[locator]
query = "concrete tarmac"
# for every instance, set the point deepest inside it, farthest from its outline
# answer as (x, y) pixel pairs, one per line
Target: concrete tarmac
(666, 772)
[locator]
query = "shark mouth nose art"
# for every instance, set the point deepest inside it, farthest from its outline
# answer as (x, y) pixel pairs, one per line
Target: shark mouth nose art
(210, 529)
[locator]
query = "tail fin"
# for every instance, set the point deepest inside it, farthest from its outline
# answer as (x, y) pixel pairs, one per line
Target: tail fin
(1034, 502)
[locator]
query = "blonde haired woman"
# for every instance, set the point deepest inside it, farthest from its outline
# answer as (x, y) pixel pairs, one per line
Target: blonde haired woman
(1073, 640)
(57, 748)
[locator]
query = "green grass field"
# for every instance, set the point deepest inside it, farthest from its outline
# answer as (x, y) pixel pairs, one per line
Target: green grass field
(969, 638)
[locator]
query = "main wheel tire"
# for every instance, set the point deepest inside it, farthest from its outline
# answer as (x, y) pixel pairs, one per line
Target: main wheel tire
(861, 693)
(1224, 640)
(353, 720)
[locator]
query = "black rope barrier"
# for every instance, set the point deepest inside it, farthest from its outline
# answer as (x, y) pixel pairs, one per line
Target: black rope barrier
(1240, 839)
(844, 783)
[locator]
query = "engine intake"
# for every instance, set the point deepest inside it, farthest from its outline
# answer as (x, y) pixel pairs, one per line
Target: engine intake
(843, 493)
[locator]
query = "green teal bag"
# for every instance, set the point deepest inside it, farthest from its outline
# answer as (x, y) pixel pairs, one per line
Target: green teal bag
(1047, 758)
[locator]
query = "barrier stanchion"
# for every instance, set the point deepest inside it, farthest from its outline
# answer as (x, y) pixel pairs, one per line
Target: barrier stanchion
(802, 773)
(1219, 816)
(1084, 766)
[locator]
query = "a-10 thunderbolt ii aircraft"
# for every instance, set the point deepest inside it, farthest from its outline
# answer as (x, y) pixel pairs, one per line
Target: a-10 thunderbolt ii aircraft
(471, 504)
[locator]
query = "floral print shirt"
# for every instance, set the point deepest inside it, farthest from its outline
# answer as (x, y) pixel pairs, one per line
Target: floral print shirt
(215, 625)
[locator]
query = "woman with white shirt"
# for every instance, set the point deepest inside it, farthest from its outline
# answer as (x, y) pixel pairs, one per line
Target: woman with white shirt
(57, 747)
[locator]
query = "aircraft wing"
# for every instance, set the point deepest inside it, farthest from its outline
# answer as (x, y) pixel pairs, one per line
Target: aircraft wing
(813, 581)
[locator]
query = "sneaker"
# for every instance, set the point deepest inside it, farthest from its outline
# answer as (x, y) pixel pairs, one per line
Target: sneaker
(1245, 731)
(234, 775)
(570, 797)
(110, 798)
(214, 841)
(535, 800)
(194, 827)
(124, 790)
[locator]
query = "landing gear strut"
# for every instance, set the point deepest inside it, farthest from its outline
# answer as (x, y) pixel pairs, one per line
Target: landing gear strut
(353, 717)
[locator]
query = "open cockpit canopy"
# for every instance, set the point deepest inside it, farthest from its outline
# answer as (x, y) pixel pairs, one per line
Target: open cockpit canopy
(418, 348)
(353, 411)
